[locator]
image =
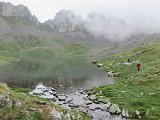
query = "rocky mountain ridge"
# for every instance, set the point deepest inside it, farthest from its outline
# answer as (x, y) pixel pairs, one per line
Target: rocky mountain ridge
(66, 21)
(9, 10)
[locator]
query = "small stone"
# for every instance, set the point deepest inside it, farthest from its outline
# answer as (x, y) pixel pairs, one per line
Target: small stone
(108, 105)
(62, 98)
(18, 103)
(60, 85)
(92, 108)
(33, 109)
(73, 105)
(41, 102)
(123, 91)
(69, 100)
(151, 94)
(88, 102)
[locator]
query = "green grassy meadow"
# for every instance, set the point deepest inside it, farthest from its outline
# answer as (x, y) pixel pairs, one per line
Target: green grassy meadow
(135, 90)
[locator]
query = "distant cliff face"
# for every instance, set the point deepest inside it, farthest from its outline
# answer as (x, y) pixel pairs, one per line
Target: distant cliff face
(66, 21)
(8, 10)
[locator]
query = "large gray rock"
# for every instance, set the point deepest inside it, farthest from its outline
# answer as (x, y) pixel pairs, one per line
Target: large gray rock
(114, 109)
(125, 113)
(5, 101)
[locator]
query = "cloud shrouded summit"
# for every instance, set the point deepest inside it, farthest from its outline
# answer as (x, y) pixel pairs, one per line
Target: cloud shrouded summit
(115, 19)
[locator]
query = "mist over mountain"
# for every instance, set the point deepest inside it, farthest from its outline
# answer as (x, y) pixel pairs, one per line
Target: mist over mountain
(96, 30)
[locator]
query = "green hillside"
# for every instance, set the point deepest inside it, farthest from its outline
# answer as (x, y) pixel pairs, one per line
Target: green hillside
(135, 90)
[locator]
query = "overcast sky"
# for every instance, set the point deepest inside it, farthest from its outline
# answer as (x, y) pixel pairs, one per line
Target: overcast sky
(46, 9)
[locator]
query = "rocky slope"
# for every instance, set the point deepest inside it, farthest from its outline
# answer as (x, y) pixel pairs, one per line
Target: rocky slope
(17, 104)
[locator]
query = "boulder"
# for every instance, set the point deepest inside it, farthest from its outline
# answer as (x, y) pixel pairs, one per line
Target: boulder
(114, 109)
(108, 105)
(62, 97)
(88, 102)
(5, 101)
(125, 113)
(17, 103)
(92, 97)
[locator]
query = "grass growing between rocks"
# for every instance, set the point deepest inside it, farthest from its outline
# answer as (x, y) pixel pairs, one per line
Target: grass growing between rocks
(29, 104)
(135, 90)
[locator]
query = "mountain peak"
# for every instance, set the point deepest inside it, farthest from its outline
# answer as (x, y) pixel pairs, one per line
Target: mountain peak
(9, 10)
(65, 21)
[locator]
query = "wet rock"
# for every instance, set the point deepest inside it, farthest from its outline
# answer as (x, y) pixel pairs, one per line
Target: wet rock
(40, 88)
(99, 65)
(104, 101)
(108, 105)
(55, 94)
(96, 102)
(104, 108)
(92, 97)
(88, 102)
(48, 96)
(74, 105)
(125, 113)
(5, 101)
(92, 108)
(62, 97)
(114, 109)
(69, 100)
(51, 88)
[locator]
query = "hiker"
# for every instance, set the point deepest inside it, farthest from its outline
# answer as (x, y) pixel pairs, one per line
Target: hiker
(138, 65)
(129, 60)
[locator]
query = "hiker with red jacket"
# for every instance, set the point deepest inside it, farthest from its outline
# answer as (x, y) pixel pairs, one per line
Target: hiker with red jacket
(138, 65)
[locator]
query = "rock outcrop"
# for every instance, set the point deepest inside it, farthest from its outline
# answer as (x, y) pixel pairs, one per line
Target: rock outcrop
(9, 10)
(66, 21)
